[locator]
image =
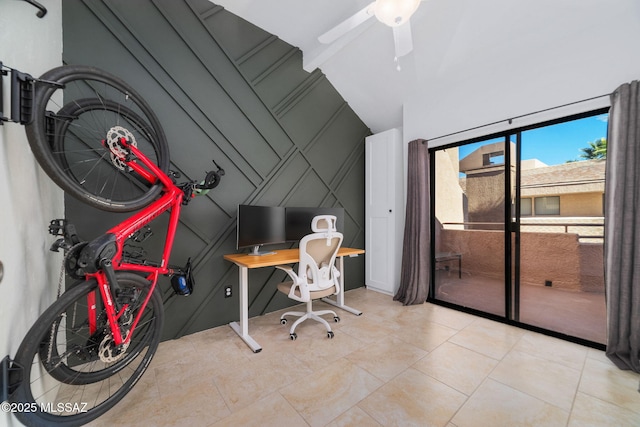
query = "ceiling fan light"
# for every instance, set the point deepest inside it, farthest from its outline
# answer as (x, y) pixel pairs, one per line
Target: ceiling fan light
(395, 12)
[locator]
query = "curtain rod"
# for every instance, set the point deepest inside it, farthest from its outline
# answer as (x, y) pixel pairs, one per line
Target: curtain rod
(510, 120)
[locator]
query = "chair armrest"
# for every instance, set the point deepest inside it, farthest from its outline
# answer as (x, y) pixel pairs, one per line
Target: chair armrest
(289, 270)
(297, 284)
(336, 278)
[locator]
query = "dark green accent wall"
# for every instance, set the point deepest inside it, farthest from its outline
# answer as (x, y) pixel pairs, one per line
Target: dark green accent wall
(225, 90)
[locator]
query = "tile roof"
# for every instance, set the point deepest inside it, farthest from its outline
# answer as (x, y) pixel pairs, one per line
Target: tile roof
(573, 177)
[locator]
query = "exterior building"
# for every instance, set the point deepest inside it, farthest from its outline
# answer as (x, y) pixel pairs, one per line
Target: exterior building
(568, 197)
(561, 222)
(574, 189)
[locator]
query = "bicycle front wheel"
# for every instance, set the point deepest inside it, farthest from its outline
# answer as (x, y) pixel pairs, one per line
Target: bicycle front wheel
(77, 120)
(72, 372)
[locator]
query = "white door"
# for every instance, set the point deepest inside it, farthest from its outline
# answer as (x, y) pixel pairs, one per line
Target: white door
(382, 151)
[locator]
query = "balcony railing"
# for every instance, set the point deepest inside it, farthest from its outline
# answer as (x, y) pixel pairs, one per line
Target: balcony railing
(588, 232)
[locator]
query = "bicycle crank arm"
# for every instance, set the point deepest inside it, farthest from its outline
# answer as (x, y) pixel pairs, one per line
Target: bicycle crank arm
(102, 248)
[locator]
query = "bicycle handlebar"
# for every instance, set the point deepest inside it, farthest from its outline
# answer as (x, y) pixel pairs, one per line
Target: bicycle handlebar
(212, 179)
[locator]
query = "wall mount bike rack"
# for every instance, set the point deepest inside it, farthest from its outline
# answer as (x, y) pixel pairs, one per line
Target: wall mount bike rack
(22, 85)
(4, 378)
(41, 9)
(6, 387)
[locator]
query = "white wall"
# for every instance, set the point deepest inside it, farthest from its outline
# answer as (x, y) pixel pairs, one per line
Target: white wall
(518, 58)
(29, 199)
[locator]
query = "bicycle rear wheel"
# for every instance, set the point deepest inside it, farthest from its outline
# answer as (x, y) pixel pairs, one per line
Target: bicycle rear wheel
(76, 121)
(72, 375)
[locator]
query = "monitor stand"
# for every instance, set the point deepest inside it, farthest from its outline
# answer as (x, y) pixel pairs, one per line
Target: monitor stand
(256, 252)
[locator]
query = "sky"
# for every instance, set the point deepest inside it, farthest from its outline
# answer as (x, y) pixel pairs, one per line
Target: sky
(557, 143)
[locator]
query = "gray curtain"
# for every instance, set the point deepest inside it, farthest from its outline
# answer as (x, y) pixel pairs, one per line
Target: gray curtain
(414, 278)
(622, 228)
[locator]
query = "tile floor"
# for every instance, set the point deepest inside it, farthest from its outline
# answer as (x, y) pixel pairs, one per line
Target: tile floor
(421, 365)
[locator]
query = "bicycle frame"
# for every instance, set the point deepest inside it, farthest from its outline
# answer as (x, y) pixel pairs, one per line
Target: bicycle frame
(171, 199)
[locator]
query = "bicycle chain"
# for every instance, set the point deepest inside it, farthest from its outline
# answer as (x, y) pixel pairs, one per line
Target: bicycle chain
(60, 280)
(52, 333)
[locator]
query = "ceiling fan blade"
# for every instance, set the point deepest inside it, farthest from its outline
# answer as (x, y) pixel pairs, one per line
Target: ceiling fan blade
(402, 39)
(347, 25)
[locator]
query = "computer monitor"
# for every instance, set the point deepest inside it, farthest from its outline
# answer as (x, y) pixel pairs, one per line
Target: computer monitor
(298, 221)
(260, 225)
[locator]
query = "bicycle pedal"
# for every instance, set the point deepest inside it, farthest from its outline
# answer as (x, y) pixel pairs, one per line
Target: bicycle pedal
(131, 252)
(56, 227)
(126, 295)
(142, 234)
(62, 227)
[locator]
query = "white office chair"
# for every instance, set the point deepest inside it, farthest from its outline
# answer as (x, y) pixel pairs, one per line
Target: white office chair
(317, 275)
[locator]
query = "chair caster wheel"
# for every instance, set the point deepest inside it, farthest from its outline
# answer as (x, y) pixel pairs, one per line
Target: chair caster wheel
(330, 334)
(293, 336)
(283, 321)
(336, 319)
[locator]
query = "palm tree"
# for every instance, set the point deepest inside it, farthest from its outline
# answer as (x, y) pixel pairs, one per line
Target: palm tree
(595, 150)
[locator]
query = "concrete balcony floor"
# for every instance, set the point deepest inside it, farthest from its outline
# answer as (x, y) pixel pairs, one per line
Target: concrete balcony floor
(578, 314)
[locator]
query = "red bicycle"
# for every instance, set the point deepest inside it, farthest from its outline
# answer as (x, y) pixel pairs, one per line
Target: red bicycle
(102, 143)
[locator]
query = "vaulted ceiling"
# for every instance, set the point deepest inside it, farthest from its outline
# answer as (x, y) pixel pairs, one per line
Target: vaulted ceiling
(355, 64)
(502, 47)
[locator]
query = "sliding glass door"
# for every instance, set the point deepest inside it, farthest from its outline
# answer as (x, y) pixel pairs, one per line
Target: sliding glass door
(561, 259)
(469, 230)
(518, 226)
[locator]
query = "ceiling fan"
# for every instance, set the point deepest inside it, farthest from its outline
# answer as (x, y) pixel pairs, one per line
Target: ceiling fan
(394, 13)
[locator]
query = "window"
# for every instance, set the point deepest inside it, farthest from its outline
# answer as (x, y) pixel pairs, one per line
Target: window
(495, 158)
(547, 205)
(526, 207)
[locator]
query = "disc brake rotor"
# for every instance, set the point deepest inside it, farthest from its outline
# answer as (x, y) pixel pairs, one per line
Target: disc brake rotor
(118, 153)
(108, 352)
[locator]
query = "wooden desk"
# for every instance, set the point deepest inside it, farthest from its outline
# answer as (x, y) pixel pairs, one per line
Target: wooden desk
(282, 256)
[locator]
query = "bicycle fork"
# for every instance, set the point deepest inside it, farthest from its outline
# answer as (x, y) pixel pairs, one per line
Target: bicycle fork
(114, 312)
(96, 259)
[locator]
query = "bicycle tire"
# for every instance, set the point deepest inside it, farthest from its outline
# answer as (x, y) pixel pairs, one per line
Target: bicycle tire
(72, 385)
(73, 118)
(56, 365)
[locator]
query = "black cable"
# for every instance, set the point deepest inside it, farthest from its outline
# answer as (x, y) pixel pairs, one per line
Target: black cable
(510, 120)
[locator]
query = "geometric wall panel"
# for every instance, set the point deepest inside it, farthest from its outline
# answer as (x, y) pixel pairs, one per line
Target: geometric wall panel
(225, 90)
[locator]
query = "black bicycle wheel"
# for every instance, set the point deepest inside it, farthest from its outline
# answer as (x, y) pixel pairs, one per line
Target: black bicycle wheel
(98, 346)
(77, 120)
(71, 375)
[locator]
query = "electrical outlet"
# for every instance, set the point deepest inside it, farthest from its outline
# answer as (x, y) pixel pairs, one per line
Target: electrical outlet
(227, 291)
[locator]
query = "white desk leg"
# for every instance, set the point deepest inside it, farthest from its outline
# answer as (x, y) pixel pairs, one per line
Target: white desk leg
(242, 326)
(339, 301)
